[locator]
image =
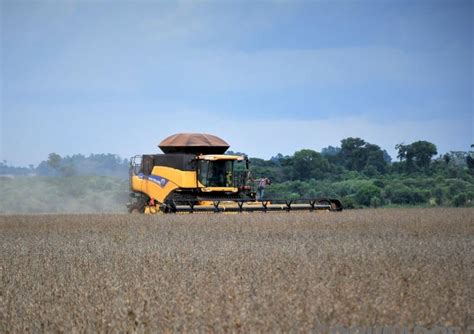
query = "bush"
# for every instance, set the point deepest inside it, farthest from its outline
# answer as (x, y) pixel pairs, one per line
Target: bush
(439, 195)
(401, 194)
(348, 202)
(365, 194)
(460, 200)
(375, 202)
(379, 183)
(350, 187)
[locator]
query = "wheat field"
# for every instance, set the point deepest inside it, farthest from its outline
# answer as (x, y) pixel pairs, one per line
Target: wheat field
(243, 272)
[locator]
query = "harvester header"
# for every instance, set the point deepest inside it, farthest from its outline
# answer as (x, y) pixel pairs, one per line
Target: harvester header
(194, 175)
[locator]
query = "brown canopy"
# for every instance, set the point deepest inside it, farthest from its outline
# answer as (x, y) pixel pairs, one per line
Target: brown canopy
(196, 143)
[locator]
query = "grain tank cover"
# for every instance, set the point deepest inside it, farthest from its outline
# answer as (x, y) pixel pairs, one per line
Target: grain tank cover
(195, 143)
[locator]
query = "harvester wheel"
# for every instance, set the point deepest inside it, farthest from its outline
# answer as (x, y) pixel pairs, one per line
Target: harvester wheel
(336, 205)
(138, 206)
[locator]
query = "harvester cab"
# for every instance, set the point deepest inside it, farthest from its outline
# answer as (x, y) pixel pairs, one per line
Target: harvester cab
(193, 174)
(221, 173)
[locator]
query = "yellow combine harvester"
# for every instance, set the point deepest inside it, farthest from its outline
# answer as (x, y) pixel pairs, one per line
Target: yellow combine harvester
(194, 175)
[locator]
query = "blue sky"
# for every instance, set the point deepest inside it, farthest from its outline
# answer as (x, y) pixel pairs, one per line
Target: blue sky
(268, 77)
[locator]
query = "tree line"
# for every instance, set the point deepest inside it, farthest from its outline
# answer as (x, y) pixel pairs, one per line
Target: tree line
(76, 164)
(358, 172)
(362, 174)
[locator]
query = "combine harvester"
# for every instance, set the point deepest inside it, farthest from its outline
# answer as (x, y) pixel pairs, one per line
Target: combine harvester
(194, 175)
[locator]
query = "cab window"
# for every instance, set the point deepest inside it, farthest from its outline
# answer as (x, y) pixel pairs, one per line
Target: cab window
(216, 173)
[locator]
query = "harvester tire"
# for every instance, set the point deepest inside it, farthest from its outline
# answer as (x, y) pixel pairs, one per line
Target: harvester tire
(138, 206)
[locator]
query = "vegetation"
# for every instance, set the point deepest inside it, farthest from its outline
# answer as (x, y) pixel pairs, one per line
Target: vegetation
(358, 172)
(362, 174)
(77, 164)
(258, 272)
(31, 194)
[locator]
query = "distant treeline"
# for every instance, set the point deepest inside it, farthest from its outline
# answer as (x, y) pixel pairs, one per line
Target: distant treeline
(76, 164)
(358, 172)
(362, 174)
(80, 193)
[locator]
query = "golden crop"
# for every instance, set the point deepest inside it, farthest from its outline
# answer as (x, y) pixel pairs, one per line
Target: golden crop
(244, 272)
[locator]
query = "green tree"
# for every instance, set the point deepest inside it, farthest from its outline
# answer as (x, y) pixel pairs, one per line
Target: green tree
(470, 160)
(309, 164)
(357, 154)
(374, 157)
(423, 151)
(57, 163)
(402, 151)
(416, 155)
(54, 161)
(352, 153)
(405, 154)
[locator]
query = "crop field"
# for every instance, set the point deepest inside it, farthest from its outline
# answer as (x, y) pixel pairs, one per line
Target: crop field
(240, 272)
